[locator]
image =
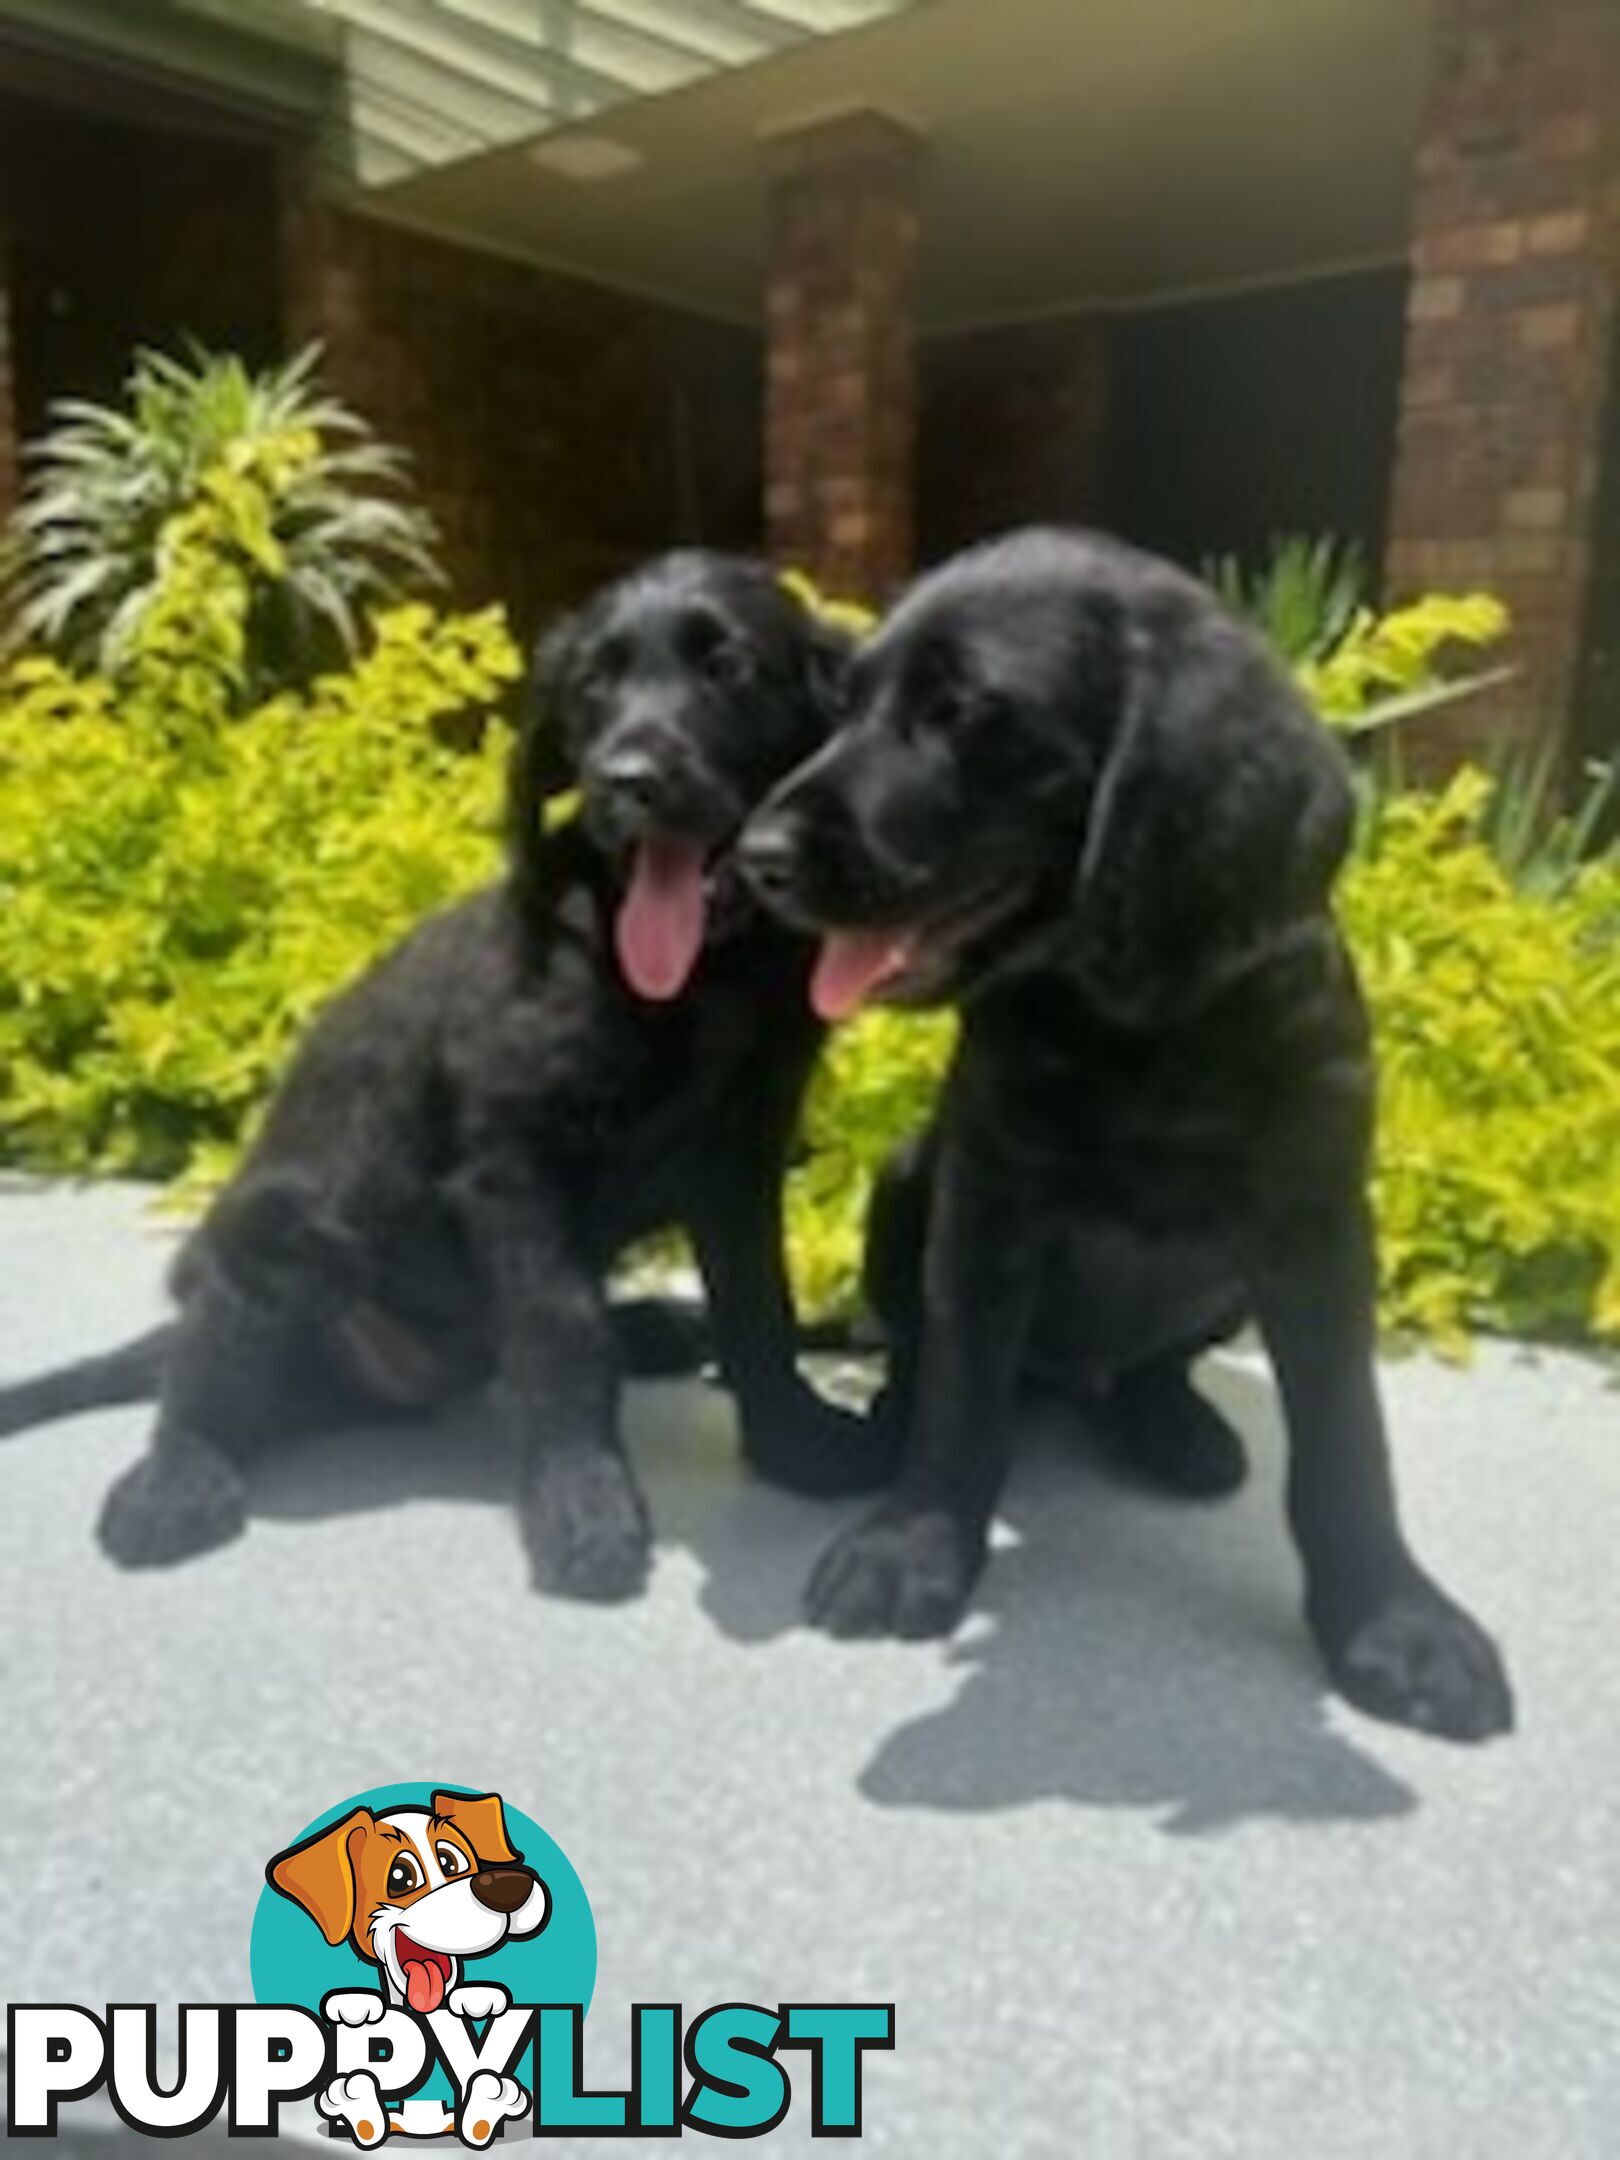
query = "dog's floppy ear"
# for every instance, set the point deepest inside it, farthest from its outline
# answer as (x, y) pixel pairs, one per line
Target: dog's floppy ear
(539, 769)
(481, 1819)
(320, 1873)
(1221, 815)
(831, 632)
(830, 650)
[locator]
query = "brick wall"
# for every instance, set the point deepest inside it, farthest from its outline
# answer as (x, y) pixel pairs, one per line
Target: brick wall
(841, 398)
(9, 430)
(119, 234)
(1596, 725)
(560, 430)
(1511, 321)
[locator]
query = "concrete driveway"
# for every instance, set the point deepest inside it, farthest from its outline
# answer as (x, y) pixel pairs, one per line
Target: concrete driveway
(1137, 1888)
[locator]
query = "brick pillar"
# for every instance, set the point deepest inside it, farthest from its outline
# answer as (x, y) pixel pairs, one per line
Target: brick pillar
(1510, 337)
(840, 379)
(319, 300)
(10, 446)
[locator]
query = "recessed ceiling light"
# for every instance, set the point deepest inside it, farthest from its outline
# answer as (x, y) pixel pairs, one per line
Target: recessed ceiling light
(585, 157)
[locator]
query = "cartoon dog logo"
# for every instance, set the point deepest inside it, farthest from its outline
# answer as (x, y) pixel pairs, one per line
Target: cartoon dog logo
(417, 1891)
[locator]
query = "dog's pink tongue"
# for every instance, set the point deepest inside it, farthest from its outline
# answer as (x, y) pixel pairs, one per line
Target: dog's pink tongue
(659, 932)
(852, 965)
(424, 1986)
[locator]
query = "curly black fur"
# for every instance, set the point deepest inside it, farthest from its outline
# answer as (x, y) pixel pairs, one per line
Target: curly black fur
(471, 1133)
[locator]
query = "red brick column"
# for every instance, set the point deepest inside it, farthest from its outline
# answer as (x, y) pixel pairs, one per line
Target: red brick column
(10, 447)
(304, 249)
(840, 369)
(1511, 323)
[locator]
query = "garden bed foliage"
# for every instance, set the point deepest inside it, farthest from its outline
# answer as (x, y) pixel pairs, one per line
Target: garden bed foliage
(190, 864)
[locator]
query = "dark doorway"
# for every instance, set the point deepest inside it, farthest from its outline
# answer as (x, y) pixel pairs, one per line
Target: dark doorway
(1238, 419)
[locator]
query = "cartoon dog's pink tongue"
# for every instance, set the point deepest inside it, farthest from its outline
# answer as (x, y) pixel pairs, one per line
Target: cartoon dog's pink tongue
(424, 1986)
(853, 964)
(659, 932)
(426, 1974)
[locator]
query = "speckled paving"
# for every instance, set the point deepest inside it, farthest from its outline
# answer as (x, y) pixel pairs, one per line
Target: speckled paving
(1137, 1888)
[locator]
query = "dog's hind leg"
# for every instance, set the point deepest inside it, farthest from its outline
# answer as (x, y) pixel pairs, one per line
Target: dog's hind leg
(186, 1493)
(247, 1361)
(237, 1375)
(183, 1498)
(1162, 1431)
(659, 1338)
(1120, 1321)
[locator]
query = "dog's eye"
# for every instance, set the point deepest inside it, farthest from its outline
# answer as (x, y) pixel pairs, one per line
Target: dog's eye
(451, 1858)
(955, 707)
(729, 664)
(939, 712)
(404, 1876)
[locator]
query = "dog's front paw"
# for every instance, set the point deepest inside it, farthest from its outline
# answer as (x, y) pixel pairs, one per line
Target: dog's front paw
(487, 2103)
(1420, 1660)
(586, 1525)
(357, 2100)
(906, 1570)
(485, 2000)
(352, 2006)
(813, 1446)
(171, 1505)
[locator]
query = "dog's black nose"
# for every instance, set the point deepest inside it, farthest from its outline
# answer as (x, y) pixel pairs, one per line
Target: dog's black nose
(768, 857)
(502, 1889)
(633, 776)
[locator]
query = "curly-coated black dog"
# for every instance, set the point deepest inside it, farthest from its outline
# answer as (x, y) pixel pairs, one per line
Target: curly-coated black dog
(612, 1039)
(1073, 794)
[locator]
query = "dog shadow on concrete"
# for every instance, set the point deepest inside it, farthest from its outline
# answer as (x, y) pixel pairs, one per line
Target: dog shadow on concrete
(462, 1454)
(1124, 1648)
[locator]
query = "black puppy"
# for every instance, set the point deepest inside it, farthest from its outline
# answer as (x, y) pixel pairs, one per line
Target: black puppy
(611, 1039)
(1076, 795)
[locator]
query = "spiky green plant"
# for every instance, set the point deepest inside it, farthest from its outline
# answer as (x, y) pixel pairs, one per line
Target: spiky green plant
(1541, 826)
(323, 529)
(1304, 597)
(1364, 672)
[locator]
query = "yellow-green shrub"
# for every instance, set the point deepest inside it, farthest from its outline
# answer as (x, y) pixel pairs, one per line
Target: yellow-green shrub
(1386, 667)
(179, 890)
(1497, 1012)
(875, 1086)
(182, 883)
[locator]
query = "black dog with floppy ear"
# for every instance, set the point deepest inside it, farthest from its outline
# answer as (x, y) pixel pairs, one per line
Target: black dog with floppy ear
(793, 685)
(1077, 798)
(608, 1040)
(1221, 817)
(538, 771)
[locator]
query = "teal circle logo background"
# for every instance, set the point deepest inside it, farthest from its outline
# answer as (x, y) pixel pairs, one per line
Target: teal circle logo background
(290, 1960)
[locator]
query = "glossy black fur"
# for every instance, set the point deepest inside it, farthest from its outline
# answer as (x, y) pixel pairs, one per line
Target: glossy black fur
(470, 1134)
(1122, 825)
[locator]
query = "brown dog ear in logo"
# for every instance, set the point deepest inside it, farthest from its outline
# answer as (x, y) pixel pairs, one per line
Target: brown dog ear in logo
(320, 1873)
(482, 1822)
